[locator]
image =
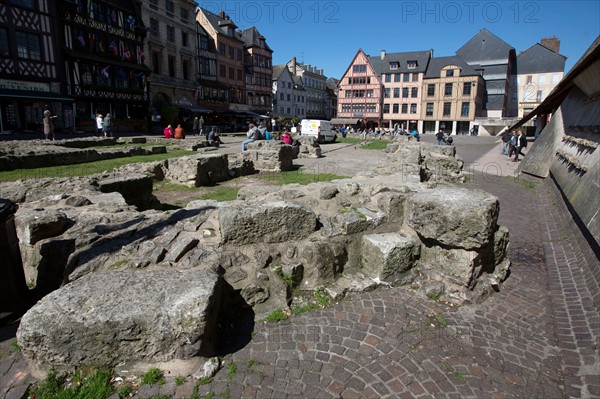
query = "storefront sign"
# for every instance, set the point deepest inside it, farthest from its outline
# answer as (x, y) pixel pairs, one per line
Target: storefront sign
(22, 85)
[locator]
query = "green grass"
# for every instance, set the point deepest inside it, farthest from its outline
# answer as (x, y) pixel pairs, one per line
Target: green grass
(221, 194)
(94, 384)
(304, 309)
(376, 145)
(276, 316)
(153, 376)
(350, 140)
(165, 185)
(434, 297)
(322, 298)
(301, 177)
(179, 380)
(441, 320)
(226, 394)
(231, 370)
(85, 169)
(125, 391)
(204, 380)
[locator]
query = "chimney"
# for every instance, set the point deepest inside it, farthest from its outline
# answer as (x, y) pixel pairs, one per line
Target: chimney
(382, 54)
(293, 65)
(552, 43)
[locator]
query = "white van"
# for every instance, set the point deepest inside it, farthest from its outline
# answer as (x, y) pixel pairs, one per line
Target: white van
(319, 129)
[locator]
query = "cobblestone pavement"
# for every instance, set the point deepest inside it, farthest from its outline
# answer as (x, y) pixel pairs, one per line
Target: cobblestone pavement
(536, 338)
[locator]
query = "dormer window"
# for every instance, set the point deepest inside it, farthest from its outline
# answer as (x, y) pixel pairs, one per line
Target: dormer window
(411, 64)
(449, 72)
(394, 65)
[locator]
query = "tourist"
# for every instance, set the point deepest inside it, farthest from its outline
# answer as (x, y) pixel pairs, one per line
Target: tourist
(416, 135)
(168, 132)
(253, 134)
(107, 126)
(512, 143)
(201, 125)
(505, 140)
(179, 134)
(196, 127)
(286, 137)
(521, 143)
(99, 123)
(214, 136)
(440, 137)
(48, 125)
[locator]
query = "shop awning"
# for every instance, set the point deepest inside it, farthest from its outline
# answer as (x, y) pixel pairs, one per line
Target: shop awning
(194, 108)
(345, 121)
(33, 95)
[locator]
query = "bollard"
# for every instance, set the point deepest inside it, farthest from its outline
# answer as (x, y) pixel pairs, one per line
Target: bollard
(14, 294)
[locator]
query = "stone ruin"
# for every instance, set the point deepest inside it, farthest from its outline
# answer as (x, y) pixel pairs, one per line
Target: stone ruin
(139, 285)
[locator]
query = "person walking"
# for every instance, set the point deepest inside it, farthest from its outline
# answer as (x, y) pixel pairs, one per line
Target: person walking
(48, 124)
(521, 143)
(201, 126)
(512, 143)
(196, 127)
(107, 126)
(99, 124)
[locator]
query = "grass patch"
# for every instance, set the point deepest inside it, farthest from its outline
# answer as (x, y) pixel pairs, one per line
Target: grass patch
(350, 140)
(221, 194)
(231, 370)
(92, 384)
(153, 376)
(376, 145)
(276, 316)
(125, 391)
(165, 185)
(179, 380)
(434, 297)
(304, 309)
(85, 169)
(441, 320)
(322, 298)
(226, 394)
(301, 177)
(204, 380)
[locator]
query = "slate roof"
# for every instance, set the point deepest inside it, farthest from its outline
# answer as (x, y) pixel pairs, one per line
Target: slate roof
(436, 65)
(383, 66)
(540, 59)
(484, 46)
(252, 37)
(217, 22)
(278, 70)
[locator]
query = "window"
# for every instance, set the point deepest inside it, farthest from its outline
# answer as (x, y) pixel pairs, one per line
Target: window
(448, 89)
(405, 108)
(221, 49)
(429, 109)
(153, 4)
(171, 66)
(464, 110)
(231, 52)
(28, 46)
(231, 73)
(240, 75)
(396, 92)
(411, 64)
(359, 68)
(555, 78)
(170, 7)
(430, 90)
(184, 39)
(154, 29)
(22, 3)
(222, 71)
(413, 108)
(405, 92)
(395, 108)
(240, 56)
(415, 77)
(529, 79)
(156, 62)
(449, 72)
(184, 15)
(414, 92)
(542, 79)
(406, 77)
(386, 93)
(397, 77)
(388, 77)
(394, 65)
(386, 108)
(4, 50)
(539, 96)
(185, 69)
(170, 34)
(447, 109)
(467, 89)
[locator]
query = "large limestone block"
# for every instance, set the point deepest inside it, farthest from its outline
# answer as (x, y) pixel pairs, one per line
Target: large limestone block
(136, 189)
(35, 225)
(322, 261)
(454, 216)
(270, 155)
(103, 319)
(268, 222)
(198, 170)
(309, 147)
(389, 256)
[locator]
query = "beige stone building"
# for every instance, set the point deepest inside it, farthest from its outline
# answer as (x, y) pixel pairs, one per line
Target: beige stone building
(452, 96)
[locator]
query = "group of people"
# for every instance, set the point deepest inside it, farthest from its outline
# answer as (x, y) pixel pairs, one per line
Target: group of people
(514, 142)
(443, 138)
(104, 125)
(197, 129)
(260, 132)
(176, 133)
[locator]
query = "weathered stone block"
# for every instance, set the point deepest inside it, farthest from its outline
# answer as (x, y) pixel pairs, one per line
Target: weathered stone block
(388, 256)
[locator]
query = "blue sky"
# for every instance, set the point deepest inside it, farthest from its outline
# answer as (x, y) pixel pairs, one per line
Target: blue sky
(327, 34)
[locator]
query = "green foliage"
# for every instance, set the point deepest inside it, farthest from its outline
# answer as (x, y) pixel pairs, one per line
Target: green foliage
(300, 177)
(441, 320)
(226, 394)
(209, 395)
(250, 363)
(231, 370)
(304, 309)
(204, 380)
(125, 391)
(179, 380)
(221, 194)
(376, 145)
(276, 316)
(94, 384)
(154, 376)
(322, 298)
(165, 185)
(85, 169)
(434, 297)
(350, 140)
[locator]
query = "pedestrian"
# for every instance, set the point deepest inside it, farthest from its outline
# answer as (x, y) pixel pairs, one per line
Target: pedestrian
(179, 134)
(107, 126)
(196, 127)
(99, 123)
(253, 133)
(521, 143)
(48, 124)
(168, 132)
(440, 137)
(201, 126)
(512, 144)
(505, 140)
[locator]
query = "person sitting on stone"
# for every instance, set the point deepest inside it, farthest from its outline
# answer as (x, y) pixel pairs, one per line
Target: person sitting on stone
(253, 133)
(179, 134)
(168, 132)
(214, 136)
(286, 137)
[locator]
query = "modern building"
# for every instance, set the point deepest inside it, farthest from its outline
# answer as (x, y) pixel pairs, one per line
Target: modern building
(258, 71)
(402, 77)
(495, 60)
(171, 50)
(32, 72)
(313, 81)
(104, 62)
(452, 96)
(359, 94)
(539, 70)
